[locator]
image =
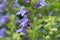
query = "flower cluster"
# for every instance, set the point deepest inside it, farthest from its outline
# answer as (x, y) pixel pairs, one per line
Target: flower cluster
(23, 22)
(4, 18)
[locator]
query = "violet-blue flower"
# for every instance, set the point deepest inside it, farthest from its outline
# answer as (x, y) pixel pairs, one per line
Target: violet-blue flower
(22, 30)
(3, 32)
(16, 4)
(23, 11)
(4, 19)
(40, 3)
(23, 22)
(3, 5)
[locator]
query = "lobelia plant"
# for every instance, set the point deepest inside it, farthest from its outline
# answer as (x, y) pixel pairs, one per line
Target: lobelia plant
(29, 20)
